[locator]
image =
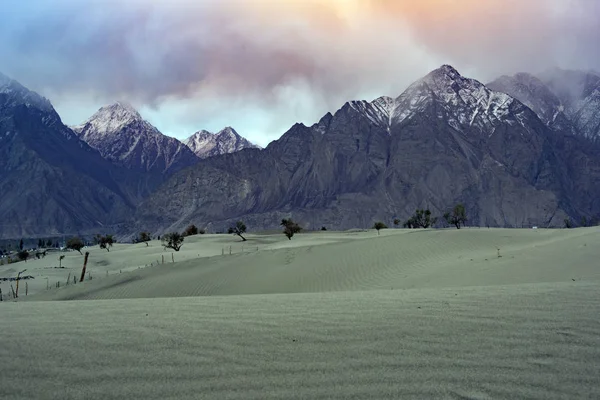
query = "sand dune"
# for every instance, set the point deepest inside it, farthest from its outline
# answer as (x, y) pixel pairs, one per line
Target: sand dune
(535, 341)
(348, 315)
(128, 257)
(363, 261)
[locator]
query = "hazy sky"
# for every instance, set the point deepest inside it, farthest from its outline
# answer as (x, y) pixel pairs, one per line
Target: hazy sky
(262, 65)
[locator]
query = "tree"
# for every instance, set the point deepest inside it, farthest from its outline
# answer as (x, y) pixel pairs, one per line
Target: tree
(290, 228)
(584, 222)
(420, 219)
(173, 240)
(379, 226)
(21, 245)
(238, 229)
(23, 255)
(190, 230)
(396, 222)
(568, 224)
(323, 228)
(106, 242)
(75, 243)
(49, 243)
(40, 243)
(457, 217)
(144, 237)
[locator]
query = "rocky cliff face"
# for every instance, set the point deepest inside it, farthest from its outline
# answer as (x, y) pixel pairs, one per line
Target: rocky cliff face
(123, 137)
(568, 101)
(446, 139)
(52, 182)
(206, 144)
(515, 152)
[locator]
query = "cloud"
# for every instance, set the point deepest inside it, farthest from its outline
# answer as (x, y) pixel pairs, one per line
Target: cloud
(262, 65)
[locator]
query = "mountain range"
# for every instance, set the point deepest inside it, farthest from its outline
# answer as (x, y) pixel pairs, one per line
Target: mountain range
(522, 150)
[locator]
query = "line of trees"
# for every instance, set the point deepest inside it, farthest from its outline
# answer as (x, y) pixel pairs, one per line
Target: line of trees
(423, 218)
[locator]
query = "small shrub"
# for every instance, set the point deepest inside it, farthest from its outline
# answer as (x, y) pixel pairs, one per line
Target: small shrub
(420, 219)
(23, 255)
(191, 230)
(323, 228)
(144, 237)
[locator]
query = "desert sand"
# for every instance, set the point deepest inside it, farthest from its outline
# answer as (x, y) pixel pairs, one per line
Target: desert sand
(407, 314)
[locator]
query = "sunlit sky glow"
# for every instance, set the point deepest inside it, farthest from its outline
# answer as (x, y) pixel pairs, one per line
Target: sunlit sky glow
(262, 65)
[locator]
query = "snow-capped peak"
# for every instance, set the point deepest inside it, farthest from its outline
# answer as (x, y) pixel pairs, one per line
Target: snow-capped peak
(110, 119)
(379, 111)
(206, 144)
(462, 101)
(19, 94)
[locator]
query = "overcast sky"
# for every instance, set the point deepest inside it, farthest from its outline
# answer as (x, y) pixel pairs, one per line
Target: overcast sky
(262, 65)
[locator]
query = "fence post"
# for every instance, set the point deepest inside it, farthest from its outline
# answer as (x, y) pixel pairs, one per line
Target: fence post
(229, 250)
(173, 257)
(87, 254)
(26, 288)
(163, 258)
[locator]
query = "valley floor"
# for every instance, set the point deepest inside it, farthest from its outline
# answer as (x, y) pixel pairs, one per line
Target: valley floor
(408, 314)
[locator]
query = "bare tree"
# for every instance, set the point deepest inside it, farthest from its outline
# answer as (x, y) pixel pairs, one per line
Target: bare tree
(379, 226)
(106, 242)
(144, 237)
(191, 230)
(420, 219)
(457, 217)
(290, 228)
(173, 240)
(239, 229)
(75, 243)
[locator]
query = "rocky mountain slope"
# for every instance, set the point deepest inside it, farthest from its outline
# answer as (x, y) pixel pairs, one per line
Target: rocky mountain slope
(565, 100)
(206, 144)
(52, 182)
(123, 137)
(446, 139)
(518, 152)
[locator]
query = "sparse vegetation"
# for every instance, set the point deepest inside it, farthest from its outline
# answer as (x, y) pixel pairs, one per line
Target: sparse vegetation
(379, 226)
(239, 229)
(290, 228)
(75, 243)
(201, 231)
(173, 240)
(457, 217)
(106, 242)
(144, 237)
(420, 219)
(23, 255)
(191, 230)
